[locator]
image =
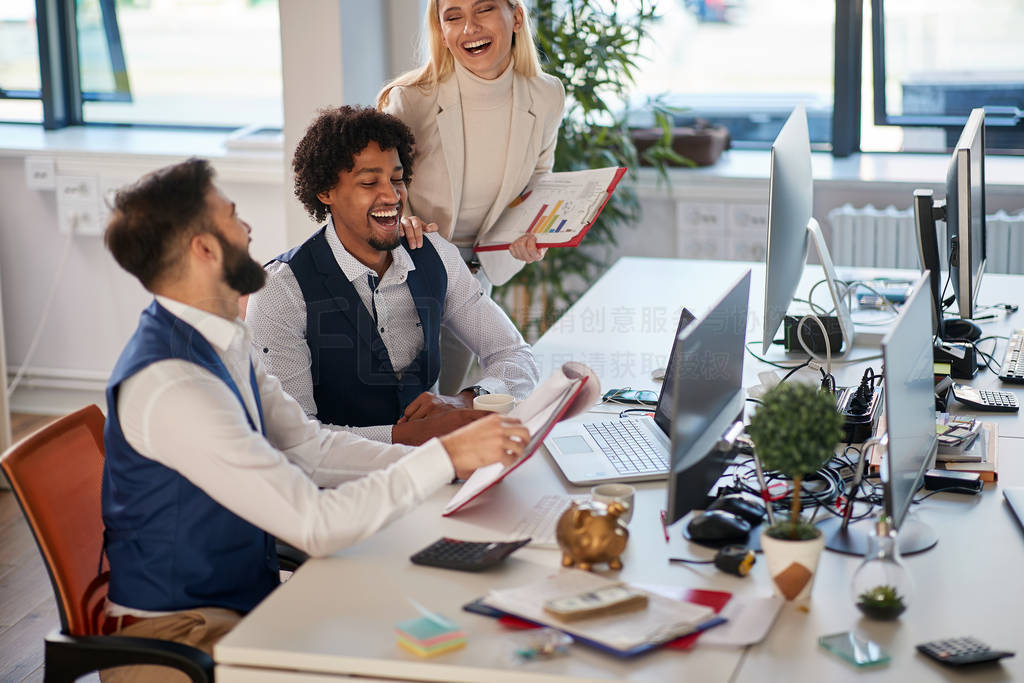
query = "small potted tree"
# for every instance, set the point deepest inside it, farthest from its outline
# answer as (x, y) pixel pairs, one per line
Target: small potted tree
(795, 432)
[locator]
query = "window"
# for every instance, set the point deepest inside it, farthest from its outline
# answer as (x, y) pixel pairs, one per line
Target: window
(209, 63)
(935, 61)
(744, 64)
(19, 62)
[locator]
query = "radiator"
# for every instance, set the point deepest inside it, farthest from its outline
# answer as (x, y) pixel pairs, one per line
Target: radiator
(886, 238)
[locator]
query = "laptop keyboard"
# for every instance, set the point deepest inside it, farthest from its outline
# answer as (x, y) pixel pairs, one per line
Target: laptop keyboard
(629, 446)
(539, 523)
(1012, 368)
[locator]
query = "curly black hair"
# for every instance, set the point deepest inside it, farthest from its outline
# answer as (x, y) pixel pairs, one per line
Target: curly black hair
(331, 144)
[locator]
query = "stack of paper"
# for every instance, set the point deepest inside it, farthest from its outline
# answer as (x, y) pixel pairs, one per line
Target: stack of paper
(663, 620)
(430, 636)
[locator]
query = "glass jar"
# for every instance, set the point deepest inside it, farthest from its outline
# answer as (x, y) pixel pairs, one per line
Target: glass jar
(882, 588)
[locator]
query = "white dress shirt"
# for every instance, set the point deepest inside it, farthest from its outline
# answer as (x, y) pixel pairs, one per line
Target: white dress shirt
(277, 316)
(182, 416)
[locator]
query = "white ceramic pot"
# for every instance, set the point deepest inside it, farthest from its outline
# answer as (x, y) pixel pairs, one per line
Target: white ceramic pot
(792, 565)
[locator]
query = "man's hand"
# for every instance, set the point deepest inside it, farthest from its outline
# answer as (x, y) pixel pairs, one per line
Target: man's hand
(428, 405)
(420, 431)
(495, 438)
(413, 228)
(525, 249)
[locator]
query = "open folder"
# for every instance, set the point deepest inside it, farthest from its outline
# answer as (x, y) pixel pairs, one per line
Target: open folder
(558, 208)
(569, 391)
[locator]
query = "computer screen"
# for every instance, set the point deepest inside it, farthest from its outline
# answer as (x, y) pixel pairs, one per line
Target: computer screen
(909, 402)
(709, 398)
(667, 398)
(790, 198)
(965, 213)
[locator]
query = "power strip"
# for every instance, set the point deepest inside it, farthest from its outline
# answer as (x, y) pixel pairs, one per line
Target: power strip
(859, 421)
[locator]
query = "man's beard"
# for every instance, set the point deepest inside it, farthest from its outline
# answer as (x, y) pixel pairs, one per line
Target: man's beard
(241, 272)
(385, 244)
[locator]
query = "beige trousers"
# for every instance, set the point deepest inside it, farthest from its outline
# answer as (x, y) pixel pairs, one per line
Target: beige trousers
(201, 628)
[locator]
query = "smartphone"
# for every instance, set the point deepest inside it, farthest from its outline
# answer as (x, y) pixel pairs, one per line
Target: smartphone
(854, 649)
(643, 397)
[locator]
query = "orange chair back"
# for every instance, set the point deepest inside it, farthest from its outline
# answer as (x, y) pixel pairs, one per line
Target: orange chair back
(56, 475)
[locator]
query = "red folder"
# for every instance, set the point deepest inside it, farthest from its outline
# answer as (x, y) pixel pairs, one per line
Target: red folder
(535, 441)
(578, 237)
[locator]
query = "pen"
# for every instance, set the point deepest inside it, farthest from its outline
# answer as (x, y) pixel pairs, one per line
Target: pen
(664, 525)
(987, 316)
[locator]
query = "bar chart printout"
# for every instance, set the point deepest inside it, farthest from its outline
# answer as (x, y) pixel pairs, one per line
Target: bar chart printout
(556, 209)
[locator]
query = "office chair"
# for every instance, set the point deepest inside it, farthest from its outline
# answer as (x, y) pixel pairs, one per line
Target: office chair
(56, 476)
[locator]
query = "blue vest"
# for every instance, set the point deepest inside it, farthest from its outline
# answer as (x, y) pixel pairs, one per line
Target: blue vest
(170, 546)
(353, 381)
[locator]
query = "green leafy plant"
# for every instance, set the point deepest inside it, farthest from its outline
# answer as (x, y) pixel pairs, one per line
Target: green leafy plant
(795, 432)
(881, 602)
(594, 48)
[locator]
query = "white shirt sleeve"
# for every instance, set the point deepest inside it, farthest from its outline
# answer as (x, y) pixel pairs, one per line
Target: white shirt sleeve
(182, 416)
(506, 359)
(276, 314)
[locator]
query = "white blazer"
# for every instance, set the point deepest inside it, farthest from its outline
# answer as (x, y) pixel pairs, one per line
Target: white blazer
(435, 118)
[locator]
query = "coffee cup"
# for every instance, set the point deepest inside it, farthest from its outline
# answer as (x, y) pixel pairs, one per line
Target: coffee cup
(495, 403)
(615, 493)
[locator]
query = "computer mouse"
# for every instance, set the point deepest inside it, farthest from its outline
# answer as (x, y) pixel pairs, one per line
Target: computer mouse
(747, 508)
(718, 525)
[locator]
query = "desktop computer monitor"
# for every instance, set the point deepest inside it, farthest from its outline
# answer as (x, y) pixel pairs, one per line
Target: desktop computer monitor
(910, 424)
(790, 224)
(709, 402)
(964, 214)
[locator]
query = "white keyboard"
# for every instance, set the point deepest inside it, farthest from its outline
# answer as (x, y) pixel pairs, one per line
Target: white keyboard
(540, 521)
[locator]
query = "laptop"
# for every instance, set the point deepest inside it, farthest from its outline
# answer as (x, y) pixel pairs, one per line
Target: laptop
(634, 449)
(1014, 496)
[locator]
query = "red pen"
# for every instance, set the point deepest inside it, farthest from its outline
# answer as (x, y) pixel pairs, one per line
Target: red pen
(664, 525)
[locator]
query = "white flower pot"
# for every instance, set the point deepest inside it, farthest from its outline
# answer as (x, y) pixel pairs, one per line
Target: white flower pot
(792, 565)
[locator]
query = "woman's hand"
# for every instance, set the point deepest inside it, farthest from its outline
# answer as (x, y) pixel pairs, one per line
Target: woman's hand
(413, 228)
(525, 249)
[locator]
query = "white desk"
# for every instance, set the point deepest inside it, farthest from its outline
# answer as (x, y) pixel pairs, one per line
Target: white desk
(336, 615)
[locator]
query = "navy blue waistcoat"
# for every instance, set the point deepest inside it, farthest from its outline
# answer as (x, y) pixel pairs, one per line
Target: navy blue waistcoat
(354, 382)
(170, 546)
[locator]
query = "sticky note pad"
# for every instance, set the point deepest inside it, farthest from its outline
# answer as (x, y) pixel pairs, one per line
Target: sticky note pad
(429, 636)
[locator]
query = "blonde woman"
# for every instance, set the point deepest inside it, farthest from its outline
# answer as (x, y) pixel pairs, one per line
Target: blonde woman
(486, 119)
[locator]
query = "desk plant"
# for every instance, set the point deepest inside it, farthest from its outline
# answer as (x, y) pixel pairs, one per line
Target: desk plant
(795, 432)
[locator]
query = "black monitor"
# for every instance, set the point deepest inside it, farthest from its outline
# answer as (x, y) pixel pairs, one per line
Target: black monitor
(910, 424)
(709, 400)
(964, 214)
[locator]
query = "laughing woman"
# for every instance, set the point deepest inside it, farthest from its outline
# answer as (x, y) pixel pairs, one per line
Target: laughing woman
(486, 119)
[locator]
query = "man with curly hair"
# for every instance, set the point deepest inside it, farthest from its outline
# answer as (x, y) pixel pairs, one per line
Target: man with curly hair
(350, 320)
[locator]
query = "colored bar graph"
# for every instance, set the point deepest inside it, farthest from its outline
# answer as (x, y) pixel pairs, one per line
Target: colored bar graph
(537, 218)
(551, 219)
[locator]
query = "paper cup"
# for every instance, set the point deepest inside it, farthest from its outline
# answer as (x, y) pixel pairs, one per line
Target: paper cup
(496, 403)
(612, 493)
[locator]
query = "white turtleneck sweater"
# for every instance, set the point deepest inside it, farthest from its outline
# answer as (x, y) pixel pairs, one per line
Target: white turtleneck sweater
(486, 121)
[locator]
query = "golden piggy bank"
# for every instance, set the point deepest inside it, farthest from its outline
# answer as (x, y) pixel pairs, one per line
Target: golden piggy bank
(592, 534)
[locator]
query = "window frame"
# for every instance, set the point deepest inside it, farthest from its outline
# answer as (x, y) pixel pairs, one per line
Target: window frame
(995, 115)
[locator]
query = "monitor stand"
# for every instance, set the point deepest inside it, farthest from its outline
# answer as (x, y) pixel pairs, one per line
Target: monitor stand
(842, 309)
(913, 537)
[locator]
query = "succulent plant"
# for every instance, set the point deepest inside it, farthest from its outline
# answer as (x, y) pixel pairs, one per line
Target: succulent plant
(881, 602)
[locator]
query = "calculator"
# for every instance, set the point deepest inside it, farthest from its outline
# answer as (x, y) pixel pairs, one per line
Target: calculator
(961, 651)
(467, 556)
(983, 399)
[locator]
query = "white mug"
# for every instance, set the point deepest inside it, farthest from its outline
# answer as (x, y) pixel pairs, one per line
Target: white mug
(615, 493)
(496, 403)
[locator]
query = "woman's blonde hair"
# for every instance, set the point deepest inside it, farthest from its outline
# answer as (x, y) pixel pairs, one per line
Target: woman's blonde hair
(441, 63)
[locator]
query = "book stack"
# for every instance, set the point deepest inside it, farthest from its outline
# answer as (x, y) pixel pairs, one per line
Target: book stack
(429, 636)
(982, 456)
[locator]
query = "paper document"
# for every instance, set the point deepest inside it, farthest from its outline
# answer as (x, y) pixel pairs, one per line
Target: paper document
(663, 619)
(569, 391)
(558, 209)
